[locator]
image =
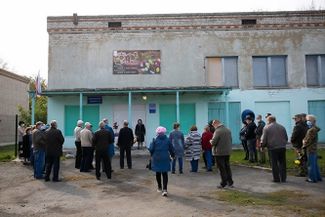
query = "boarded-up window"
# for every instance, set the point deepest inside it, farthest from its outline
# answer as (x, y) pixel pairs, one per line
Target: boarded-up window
(315, 69)
(222, 71)
(270, 71)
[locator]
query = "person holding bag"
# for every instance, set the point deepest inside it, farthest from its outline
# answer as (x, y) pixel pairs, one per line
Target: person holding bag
(161, 151)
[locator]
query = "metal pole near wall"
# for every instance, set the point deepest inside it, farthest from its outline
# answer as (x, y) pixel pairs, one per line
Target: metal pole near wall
(130, 109)
(33, 107)
(16, 136)
(177, 106)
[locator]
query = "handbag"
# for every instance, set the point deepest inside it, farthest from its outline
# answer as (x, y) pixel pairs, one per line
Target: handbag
(149, 165)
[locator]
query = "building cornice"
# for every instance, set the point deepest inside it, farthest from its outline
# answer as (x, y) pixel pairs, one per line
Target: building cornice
(14, 76)
(108, 91)
(188, 22)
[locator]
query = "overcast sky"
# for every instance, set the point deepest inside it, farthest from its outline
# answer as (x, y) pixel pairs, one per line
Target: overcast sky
(24, 38)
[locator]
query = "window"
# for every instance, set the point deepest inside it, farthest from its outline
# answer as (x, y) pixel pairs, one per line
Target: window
(315, 70)
(114, 24)
(222, 71)
(248, 22)
(270, 71)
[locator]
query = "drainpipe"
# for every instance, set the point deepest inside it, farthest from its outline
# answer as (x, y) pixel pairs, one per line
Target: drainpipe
(227, 107)
(130, 109)
(33, 107)
(177, 106)
(80, 106)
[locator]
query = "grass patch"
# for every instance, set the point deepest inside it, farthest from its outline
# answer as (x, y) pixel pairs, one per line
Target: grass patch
(262, 199)
(285, 201)
(237, 157)
(7, 153)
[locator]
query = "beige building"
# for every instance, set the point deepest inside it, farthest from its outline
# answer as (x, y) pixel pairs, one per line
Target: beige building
(13, 89)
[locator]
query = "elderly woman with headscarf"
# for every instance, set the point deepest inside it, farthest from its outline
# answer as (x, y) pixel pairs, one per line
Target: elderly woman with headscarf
(310, 144)
(161, 151)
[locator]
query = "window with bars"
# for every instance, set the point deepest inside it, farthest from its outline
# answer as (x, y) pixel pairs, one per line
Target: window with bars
(270, 71)
(315, 70)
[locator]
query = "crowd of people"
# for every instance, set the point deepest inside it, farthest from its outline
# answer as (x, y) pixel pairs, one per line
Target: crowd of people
(43, 146)
(272, 136)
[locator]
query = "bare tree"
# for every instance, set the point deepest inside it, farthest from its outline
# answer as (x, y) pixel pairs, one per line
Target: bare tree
(3, 64)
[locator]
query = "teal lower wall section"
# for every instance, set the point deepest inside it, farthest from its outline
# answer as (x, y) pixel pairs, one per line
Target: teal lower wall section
(195, 109)
(317, 108)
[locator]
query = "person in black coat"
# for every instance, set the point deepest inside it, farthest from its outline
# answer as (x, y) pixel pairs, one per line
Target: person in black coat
(101, 139)
(140, 132)
(27, 144)
(251, 139)
(53, 151)
(125, 142)
(298, 134)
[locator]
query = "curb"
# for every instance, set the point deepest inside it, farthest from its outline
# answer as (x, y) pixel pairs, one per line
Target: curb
(254, 167)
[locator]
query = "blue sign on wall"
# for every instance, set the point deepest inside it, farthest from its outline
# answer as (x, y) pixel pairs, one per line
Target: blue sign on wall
(94, 99)
(152, 108)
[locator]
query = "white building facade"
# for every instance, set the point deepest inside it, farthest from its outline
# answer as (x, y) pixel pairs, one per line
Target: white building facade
(189, 68)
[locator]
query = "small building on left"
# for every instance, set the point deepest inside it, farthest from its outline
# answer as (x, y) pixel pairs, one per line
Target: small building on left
(13, 92)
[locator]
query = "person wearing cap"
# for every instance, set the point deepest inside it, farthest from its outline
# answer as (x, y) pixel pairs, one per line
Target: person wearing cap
(267, 116)
(310, 144)
(54, 145)
(39, 142)
(298, 134)
(86, 137)
(259, 131)
(77, 143)
(161, 151)
(101, 140)
(221, 148)
(251, 139)
(125, 142)
(275, 139)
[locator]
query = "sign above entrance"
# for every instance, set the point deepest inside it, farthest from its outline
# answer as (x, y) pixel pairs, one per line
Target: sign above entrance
(136, 62)
(94, 99)
(152, 108)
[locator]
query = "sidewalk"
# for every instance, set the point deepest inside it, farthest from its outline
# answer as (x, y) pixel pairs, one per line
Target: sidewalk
(133, 193)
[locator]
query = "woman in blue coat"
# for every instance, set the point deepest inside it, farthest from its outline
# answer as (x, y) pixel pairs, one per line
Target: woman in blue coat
(161, 151)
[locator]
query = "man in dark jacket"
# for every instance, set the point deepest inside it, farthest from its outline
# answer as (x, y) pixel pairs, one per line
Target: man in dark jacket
(38, 140)
(275, 139)
(54, 143)
(101, 139)
(259, 132)
(221, 148)
(298, 134)
(125, 142)
(251, 139)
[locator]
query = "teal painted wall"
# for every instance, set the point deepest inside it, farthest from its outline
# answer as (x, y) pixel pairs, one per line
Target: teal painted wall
(317, 108)
(260, 101)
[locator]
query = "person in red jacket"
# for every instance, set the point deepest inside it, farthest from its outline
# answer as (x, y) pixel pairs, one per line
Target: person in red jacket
(207, 147)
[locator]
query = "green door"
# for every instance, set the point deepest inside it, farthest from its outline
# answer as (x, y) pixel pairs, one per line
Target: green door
(167, 116)
(71, 116)
(317, 108)
(217, 110)
(187, 116)
(90, 113)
